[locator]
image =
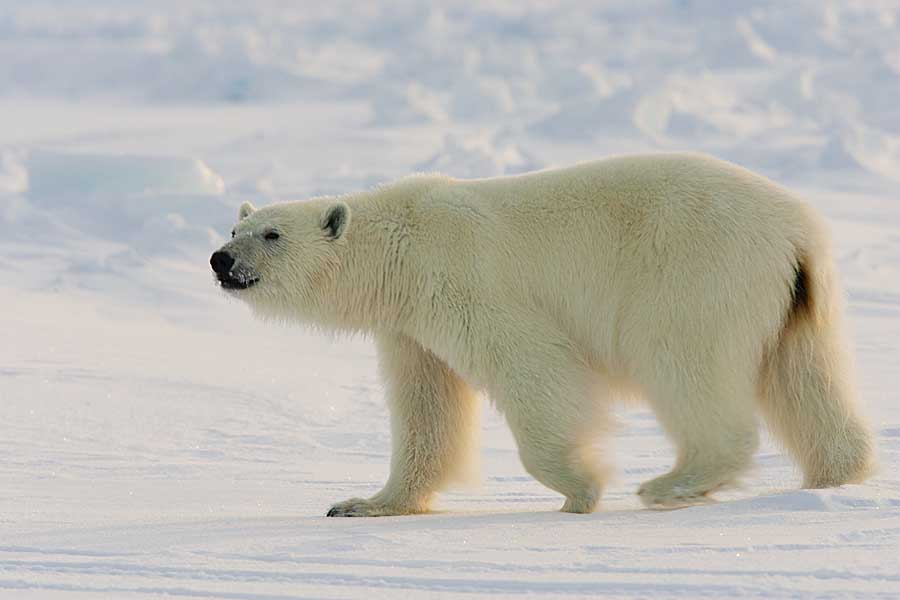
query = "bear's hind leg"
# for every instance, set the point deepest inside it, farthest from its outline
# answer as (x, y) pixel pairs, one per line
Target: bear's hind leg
(713, 427)
(434, 431)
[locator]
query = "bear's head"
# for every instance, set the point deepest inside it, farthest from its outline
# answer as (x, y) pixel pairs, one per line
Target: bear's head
(280, 256)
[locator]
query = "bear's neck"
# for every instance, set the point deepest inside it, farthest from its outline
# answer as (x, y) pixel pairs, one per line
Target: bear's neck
(377, 285)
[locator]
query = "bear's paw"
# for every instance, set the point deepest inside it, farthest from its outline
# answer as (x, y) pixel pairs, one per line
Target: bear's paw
(672, 491)
(371, 507)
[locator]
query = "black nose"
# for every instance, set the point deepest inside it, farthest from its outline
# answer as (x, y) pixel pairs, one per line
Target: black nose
(221, 262)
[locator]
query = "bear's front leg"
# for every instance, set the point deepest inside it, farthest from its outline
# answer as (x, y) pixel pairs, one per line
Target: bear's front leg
(434, 431)
(547, 395)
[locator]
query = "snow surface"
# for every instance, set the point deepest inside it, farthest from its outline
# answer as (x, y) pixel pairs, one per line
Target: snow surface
(157, 442)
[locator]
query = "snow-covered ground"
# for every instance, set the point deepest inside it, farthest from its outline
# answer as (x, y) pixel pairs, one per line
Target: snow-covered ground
(155, 441)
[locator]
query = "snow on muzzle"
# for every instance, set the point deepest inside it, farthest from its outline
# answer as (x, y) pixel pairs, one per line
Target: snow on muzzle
(232, 274)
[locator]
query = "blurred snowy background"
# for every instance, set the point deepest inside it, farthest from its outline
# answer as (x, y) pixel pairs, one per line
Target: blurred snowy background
(156, 441)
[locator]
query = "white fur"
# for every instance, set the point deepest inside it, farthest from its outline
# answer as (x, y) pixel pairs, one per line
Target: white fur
(556, 291)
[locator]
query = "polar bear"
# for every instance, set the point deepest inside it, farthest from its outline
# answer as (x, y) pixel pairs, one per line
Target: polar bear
(703, 288)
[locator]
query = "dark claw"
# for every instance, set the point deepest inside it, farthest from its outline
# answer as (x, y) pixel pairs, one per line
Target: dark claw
(332, 512)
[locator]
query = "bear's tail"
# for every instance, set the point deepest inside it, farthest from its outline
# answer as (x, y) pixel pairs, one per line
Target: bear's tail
(807, 387)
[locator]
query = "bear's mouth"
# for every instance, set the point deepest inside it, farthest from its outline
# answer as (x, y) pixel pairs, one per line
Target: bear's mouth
(237, 281)
(237, 284)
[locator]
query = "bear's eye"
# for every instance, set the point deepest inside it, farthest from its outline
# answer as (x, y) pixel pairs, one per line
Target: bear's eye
(272, 235)
(232, 233)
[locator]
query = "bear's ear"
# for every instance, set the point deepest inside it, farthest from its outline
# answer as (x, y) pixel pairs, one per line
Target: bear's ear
(245, 211)
(335, 220)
